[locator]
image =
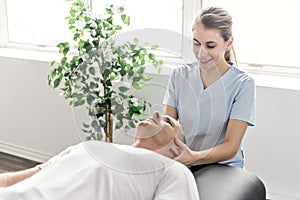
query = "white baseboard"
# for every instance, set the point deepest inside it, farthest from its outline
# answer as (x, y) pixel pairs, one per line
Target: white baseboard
(24, 152)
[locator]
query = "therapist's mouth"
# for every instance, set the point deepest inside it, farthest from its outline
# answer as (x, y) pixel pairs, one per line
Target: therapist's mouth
(204, 61)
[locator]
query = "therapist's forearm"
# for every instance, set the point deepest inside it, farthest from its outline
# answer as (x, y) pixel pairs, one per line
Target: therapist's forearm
(10, 178)
(227, 150)
(219, 153)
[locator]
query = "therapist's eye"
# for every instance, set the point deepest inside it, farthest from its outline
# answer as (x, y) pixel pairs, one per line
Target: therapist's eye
(197, 44)
(210, 45)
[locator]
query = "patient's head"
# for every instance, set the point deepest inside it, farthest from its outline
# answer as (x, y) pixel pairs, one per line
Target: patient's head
(157, 133)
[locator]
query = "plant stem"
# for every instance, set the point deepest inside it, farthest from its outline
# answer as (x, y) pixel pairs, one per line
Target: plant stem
(100, 64)
(110, 133)
(108, 129)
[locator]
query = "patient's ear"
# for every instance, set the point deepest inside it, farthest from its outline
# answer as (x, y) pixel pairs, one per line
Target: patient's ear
(170, 150)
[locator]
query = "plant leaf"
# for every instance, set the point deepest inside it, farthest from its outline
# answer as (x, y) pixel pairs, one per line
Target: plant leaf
(131, 124)
(92, 71)
(138, 85)
(123, 89)
(125, 19)
(119, 125)
(147, 77)
(79, 103)
(57, 81)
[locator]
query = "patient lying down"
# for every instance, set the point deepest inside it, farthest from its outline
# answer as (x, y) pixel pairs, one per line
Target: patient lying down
(97, 170)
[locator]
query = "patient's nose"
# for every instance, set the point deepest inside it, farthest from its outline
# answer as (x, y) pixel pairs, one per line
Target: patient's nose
(156, 115)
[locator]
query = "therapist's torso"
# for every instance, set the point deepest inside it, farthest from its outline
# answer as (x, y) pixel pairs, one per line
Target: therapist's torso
(204, 113)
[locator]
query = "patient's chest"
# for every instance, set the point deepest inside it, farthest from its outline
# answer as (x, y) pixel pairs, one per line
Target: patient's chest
(83, 173)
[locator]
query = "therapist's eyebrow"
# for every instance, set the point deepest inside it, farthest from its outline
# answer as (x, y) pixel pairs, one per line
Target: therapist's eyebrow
(210, 42)
(195, 40)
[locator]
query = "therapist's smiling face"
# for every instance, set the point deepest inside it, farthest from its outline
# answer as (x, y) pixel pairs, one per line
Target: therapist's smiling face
(208, 45)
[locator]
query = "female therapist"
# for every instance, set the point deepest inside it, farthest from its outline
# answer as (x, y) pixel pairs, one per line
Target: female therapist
(213, 100)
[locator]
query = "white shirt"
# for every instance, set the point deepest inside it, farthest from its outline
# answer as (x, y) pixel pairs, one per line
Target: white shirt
(104, 171)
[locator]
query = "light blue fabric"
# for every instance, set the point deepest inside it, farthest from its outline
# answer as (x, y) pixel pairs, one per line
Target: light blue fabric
(204, 113)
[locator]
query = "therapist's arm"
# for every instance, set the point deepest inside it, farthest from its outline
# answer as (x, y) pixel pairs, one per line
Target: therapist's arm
(10, 178)
(234, 135)
(171, 111)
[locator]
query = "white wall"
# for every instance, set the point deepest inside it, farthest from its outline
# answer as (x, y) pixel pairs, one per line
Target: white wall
(34, 119)
(36, 122)
(272, 146)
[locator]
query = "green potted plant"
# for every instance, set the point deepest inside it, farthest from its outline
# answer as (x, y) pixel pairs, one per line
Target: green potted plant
(92, 63)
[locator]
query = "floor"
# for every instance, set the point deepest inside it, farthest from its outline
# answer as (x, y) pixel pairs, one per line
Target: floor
(10, 163)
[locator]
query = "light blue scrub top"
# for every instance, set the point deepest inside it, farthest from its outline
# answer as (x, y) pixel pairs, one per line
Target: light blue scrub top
(204, 113)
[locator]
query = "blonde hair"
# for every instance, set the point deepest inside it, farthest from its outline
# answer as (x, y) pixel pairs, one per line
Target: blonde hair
(220, 19)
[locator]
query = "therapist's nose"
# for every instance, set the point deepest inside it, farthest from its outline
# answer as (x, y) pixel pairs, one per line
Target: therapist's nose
(202, 52)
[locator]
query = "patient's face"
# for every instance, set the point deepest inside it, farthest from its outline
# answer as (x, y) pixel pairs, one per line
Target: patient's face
(163, 127)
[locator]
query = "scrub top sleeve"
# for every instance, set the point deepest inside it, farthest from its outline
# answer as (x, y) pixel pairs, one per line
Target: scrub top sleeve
(243, 107)
(170, 98)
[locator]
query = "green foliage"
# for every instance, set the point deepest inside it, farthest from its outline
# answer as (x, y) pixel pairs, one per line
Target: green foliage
(89, 69)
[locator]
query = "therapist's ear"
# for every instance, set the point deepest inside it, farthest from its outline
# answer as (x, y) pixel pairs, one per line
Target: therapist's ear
(229, 44)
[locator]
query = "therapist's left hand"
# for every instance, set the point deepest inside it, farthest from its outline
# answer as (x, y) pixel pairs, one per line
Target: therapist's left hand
(187, 156)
